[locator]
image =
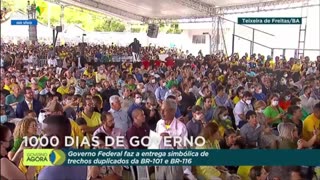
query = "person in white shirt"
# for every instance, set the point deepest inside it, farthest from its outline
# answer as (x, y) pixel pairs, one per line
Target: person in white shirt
(305, 99)
(169, 126)
(241, 108)
(52, 62)
(312, 70)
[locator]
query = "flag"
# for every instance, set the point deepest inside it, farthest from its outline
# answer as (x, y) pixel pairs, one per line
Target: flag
(39, 9)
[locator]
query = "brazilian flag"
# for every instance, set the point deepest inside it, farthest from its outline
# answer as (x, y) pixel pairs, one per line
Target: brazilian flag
(40, 9)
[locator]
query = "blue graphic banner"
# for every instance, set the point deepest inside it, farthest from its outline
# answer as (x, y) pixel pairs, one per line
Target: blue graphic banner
(30, 22)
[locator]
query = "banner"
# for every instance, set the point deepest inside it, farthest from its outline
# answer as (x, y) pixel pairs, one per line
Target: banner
(186, 157)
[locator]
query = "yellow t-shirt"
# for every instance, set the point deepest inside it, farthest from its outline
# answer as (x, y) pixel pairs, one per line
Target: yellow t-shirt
(296, 68)
(63, 90)
(100, 77)
(24, 169)
(208, 172)
(76, 132)
(221, 78)
(309, 124)
(88, 74)
(12, 85)
(71, 81)
(221, 128)
(236, 100)
(244, 172)
(200, 102)
(94, 121)
(6, 87)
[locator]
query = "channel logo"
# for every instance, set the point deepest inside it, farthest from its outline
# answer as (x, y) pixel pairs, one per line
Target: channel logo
(43, 157)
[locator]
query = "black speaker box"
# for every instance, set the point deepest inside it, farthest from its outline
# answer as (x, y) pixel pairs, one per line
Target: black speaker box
(59, 28)
(153, 30)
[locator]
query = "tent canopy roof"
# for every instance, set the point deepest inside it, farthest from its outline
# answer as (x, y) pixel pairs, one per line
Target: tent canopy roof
(144, 10)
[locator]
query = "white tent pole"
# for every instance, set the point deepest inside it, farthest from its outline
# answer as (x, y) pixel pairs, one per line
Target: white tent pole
(49, 13)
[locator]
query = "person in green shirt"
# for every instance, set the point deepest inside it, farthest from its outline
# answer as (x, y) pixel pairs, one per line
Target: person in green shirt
(171, 82)
(43, 81)
(274, 113)
(16, 97)
(26, 127)
(297, 102)
(131, 83)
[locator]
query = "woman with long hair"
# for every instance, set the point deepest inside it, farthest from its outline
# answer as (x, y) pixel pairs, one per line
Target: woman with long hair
(9, 169)
(212, 136)
(221, 117)
(289, 138)
(26, 127)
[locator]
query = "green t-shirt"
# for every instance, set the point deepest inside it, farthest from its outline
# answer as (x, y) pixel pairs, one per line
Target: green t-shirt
(12, 99)
(17, 144)
(270, 112)
(42, 82)
(132, 87)
(305, 114)
(171, 83)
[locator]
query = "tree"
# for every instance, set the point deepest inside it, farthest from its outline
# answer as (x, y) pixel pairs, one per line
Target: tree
(88, 20)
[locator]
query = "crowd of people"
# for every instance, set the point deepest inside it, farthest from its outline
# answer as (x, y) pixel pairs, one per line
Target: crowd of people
(248, 102)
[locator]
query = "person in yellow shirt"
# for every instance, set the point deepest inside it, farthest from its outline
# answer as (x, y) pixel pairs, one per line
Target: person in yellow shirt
(54, 108)
(92, 118)
(312, 123)
(13, 82)
(205, 92)
(221, 118)
(7, 84)
(89, 72)
(211, 135)
(239, 95)
(101, 75)
(63, 89)
(72, 81)
(296, 67)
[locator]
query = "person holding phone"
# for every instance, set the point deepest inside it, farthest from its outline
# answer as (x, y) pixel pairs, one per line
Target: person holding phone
(312, 123)
(274, 113)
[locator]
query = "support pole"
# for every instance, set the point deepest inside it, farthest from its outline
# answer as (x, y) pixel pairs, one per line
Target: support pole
(53, 40)
(62, 16)
(218, 35)
(210, 42)
(233, 36)
(252, 43)
(32, 14)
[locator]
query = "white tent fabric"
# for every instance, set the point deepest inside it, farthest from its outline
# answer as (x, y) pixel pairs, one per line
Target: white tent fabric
(19, 31)
(144, 10)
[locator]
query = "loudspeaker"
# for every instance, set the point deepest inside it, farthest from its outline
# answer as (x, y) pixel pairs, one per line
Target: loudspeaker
(153, 30)
(59, 28)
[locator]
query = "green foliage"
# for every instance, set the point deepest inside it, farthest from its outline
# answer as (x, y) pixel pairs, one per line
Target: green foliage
(8, 4)
(88, 20)
(110, 25)
(135, 30)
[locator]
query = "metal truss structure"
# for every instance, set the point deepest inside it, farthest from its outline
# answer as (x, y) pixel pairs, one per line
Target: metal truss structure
(241, 9)
(205, 10)
(101, 7)
(197, 5)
